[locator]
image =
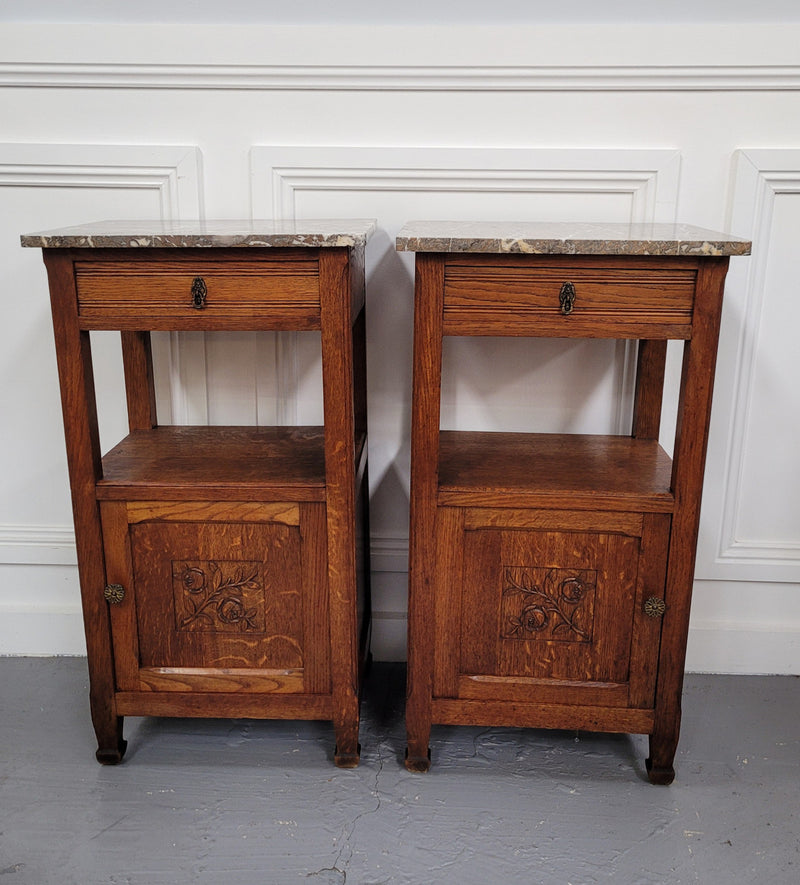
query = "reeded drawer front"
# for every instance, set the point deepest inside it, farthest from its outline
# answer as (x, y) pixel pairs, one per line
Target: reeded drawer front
(569, 298)
(198, 293)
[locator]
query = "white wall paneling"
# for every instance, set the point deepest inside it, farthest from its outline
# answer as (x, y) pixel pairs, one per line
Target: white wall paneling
(746, 614)
(42, 186)
(396, 184)
(753, 503)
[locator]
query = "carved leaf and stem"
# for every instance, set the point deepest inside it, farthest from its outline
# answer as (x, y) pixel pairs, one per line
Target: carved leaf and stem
(214, 601)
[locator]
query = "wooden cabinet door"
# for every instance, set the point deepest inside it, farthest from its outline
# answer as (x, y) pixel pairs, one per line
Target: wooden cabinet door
(548, 606)
(217, 601)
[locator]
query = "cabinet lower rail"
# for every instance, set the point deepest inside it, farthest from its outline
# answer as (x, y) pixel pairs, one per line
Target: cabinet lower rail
(449, 711)
(250, 705)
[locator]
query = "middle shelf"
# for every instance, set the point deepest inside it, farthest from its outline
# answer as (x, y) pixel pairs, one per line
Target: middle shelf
(497, 469)
(218, 463)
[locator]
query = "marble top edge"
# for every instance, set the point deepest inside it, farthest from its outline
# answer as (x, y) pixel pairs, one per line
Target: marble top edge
(312, 233)
(564, 238)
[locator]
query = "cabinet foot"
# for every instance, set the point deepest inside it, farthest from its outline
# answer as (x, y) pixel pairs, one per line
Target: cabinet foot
(347, 760)
(662, 776)
(111, 755)
(418, 764)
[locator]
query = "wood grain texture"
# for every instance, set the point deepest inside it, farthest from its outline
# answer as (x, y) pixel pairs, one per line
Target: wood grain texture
(566, 520)
(340, 484)
(177, 679)
(217, 463)
(140, 391)
(691, 441)
(446, 609)
(425, 407)
(230, 704)
(316, 616)
(74, 358)
(553, 470)
(533, 555)
(213, 511)
(615, 300)
(118, 291)
(514, 714)
(650, 363)
(646, 638)
(236, 547)
(119, 570)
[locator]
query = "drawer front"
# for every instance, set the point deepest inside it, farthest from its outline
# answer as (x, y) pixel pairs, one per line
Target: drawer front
(565, 299)
(198, 294)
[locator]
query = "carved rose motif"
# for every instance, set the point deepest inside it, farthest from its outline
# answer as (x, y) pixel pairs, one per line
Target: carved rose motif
(231, 610)
(571, 590)
(194, 580)
(533, 618)
(216, 597)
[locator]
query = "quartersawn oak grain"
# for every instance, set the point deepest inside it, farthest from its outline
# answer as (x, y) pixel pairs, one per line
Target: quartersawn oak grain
(239, 550)
(534, 559)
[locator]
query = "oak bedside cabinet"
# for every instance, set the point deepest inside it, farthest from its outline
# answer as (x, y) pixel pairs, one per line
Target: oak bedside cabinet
(221, 568)
(551, 574)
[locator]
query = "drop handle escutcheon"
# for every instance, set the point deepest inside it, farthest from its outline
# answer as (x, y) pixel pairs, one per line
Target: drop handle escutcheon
(199, 292)
(566, 298)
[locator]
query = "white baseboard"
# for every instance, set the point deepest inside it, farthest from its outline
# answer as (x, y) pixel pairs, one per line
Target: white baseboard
(736, 649)
(41, 631)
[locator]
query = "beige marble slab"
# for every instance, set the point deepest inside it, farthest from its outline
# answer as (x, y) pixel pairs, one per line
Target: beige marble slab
(314, 233)
(564, 238)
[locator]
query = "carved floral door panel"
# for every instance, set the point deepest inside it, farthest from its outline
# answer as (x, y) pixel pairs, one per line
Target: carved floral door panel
(538, 608)
(218, 604)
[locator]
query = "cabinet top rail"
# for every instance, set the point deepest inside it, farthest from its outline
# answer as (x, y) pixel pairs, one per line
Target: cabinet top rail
(567, 238)
(280, 233)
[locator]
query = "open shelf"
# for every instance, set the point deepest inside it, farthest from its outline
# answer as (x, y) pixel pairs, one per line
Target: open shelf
(227, 463)
(492, 469)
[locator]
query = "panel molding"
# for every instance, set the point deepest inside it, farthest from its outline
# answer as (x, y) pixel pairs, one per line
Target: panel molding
(394, 78)
(174, 173)
(37, 545)
(649, 176)
(760, 176)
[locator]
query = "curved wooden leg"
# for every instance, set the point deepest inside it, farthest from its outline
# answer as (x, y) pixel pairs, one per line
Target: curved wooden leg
(660, 769)
(418, 763)
(348, 750)
(418, 752)
(110, 744)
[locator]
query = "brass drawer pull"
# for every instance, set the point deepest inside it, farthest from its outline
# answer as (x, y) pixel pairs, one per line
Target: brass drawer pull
(199, 292)
(566, 298)
(114, 594)
(654, 607)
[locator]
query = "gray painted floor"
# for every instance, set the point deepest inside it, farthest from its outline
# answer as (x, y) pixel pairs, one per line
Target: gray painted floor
(204, 801)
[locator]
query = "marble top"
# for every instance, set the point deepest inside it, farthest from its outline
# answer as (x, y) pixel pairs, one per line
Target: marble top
(162, 234)
(564, 238)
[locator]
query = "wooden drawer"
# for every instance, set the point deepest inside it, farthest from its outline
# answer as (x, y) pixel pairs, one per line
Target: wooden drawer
(626, 300)
(198, 293)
